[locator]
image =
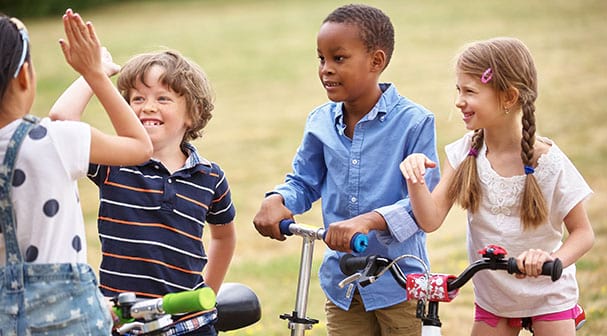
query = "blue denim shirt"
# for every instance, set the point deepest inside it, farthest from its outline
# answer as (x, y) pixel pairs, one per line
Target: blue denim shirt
(359, 175)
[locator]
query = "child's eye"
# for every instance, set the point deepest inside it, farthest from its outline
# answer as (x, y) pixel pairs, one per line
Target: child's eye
(164, 99)
(136, 99)
(339, 59)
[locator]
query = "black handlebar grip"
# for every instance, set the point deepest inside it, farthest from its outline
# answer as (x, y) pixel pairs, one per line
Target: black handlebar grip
(349, 264)
(552, 268)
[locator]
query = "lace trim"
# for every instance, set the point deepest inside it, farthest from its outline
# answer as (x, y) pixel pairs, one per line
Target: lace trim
(502, 194)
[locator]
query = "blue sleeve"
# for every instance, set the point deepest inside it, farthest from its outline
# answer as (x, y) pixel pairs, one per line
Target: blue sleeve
(399, 216)
(303, 185)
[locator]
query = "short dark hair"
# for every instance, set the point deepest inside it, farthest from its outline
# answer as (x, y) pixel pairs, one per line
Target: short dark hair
(375, 27)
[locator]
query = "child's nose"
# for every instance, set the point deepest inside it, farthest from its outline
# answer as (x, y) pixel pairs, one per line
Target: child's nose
(149, 107)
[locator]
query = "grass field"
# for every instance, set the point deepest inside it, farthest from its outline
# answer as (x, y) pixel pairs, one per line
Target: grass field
(261, 59)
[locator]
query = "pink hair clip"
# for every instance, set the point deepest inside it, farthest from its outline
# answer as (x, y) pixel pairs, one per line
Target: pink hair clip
(487, 75)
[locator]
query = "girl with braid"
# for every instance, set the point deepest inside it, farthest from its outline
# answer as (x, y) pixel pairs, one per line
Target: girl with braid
(519, 189)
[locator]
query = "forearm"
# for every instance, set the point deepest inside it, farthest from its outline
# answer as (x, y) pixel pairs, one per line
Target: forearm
(219, 255)
(423, 206)
(72, 102)
(575, 246)
(123, 119)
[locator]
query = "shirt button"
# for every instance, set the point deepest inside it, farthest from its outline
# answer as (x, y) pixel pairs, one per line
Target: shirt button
(170, 180)
(156, 167)
(353, 199)
(354, 162)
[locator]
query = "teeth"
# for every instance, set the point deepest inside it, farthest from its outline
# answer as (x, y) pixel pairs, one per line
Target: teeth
(151, 123)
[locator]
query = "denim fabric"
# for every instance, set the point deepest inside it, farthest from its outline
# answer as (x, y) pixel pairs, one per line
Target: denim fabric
(56, 299)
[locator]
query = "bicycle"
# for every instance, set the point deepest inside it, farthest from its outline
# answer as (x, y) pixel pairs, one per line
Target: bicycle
(235, 306)
(429, 289)
(298, 321)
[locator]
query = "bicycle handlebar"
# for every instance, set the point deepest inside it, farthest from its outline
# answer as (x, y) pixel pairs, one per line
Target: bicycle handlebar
(129, 308)
(189, 301)
(375, 266)
(358, 242)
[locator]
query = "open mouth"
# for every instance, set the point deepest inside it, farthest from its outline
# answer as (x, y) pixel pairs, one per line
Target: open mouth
(328, 84)
(151, 122)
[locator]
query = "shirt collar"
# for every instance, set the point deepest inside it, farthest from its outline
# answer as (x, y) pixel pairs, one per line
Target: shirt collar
(191, 162)
(193, 158)
(381, 108)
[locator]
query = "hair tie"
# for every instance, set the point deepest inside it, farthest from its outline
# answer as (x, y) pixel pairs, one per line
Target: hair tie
(529, 170)
(487, 75)
(473, 152)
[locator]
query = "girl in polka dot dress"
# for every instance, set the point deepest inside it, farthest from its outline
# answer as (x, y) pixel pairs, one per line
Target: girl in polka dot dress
(43, 188)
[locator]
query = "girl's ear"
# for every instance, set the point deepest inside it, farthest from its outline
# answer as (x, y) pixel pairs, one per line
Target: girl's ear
(511, 97)
(24, 78)
(378, 60)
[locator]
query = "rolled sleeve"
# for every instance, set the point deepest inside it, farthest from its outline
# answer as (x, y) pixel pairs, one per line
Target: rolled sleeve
(401, 225)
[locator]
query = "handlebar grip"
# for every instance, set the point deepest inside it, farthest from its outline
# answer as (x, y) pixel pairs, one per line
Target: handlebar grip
(552, 268)
(359, 242)
(349, 264)
(189, 301)
(284, 226)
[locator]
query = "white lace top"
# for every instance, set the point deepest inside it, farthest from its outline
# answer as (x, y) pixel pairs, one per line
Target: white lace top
(497, 222)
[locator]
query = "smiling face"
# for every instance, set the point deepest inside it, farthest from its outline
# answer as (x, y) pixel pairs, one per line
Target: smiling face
(162, 111)
(345, 67)
(478, 102)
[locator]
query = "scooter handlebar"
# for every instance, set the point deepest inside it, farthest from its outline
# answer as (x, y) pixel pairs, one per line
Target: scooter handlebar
(358, 243)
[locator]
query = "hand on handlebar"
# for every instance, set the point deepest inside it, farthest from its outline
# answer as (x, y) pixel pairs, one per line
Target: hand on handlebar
(530, 262)
(339, 234)
(270, 213)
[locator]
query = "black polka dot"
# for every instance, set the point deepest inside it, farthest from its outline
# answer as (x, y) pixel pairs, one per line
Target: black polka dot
(51, 207)
(18, 177)
(31, 253)
(77, 243)
(37, 133)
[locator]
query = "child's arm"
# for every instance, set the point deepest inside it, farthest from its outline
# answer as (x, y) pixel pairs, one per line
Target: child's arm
(579, 241)
(220, 252)
(73, 101)
(82, 50)
(430, 209)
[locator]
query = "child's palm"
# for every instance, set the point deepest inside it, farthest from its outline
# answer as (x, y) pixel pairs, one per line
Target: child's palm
(82, 50)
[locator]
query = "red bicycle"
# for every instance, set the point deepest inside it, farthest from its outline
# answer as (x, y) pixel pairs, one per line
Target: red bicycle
(429, 289)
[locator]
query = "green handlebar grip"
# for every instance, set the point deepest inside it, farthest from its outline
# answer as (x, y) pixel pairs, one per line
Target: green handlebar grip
(122, 319)
(189, 301)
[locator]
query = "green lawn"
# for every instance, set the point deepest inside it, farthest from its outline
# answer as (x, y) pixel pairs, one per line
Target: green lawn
(261, 59)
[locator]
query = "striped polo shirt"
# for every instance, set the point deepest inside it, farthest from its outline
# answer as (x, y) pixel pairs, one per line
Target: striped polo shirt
(151, 224)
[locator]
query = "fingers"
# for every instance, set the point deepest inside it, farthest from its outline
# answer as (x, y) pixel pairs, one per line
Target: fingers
(109, 67)
(414, 167)
(531, 261)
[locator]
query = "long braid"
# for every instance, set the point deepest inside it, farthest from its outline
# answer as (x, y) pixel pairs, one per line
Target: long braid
(534, 209)
(465, 188)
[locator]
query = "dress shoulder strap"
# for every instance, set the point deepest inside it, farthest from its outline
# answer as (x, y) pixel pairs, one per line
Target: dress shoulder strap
(7, 215)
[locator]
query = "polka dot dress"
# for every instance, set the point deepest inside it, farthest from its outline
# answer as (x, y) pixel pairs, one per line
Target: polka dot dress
(50, 226)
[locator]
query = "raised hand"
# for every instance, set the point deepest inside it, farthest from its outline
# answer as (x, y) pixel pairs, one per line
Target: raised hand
(82, 49)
